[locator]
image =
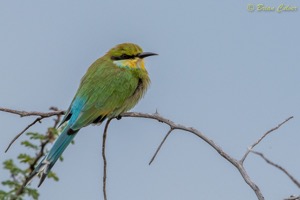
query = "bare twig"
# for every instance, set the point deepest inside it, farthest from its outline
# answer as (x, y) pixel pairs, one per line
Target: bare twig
(292, 197)
(262, 137)
(25, 129)
(104, 157)
(162, 142)
(33, 113)
(278, 167)
(41, 115)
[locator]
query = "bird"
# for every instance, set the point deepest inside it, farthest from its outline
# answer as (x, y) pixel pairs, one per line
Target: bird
(112, 85)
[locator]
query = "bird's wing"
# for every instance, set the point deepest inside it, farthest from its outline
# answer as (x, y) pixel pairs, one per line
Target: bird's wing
(100, 94)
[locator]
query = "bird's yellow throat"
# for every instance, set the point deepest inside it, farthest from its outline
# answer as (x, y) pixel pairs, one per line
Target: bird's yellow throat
(136, 63)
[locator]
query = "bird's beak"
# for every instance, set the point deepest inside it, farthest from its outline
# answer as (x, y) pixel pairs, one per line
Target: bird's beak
(146, 54)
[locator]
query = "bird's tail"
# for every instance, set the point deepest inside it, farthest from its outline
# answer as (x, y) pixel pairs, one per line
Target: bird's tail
(45, 165)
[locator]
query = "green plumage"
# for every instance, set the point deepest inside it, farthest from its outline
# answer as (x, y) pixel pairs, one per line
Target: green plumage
(112, 85)
(109, 90)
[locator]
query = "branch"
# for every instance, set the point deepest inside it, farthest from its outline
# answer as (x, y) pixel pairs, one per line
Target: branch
(162, 142)
(41, 115)
(292, 197)
(25, 129)
(33, 113)
(238, 164)
(262, 137)
(278, 167)
(104, 157)
(41, 152)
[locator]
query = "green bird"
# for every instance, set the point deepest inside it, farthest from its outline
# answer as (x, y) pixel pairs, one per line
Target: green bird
(112, 85)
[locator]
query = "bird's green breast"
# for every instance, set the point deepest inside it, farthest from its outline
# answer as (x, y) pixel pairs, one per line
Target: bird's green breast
(141, 81)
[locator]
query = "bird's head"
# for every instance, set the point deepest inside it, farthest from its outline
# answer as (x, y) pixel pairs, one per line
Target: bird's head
(128, 55)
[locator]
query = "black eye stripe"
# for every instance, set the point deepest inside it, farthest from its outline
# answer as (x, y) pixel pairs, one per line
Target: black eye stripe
(123, 57)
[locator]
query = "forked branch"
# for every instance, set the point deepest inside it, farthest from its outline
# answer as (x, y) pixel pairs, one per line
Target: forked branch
(238, 164)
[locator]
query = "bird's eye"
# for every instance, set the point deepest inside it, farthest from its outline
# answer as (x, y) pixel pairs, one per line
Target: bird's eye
(122, 57)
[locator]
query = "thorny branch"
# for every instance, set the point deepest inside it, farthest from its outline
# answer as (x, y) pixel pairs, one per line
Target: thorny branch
(173, 126)
(237, 164)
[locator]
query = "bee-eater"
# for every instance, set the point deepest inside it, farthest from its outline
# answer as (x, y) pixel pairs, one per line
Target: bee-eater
(112, 85)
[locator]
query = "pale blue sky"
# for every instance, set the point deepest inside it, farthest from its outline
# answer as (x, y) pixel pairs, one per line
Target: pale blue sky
(227, 72)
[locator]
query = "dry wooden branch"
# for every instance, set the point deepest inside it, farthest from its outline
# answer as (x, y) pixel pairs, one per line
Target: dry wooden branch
(278, 167)
(41, 115)
(238, 164)
(33, 113)
(162, 142)
(262, 137)
(25, 129)
(292, 197)
(104, 158)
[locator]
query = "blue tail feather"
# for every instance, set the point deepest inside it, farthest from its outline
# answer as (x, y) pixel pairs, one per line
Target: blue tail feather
(56, 151)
